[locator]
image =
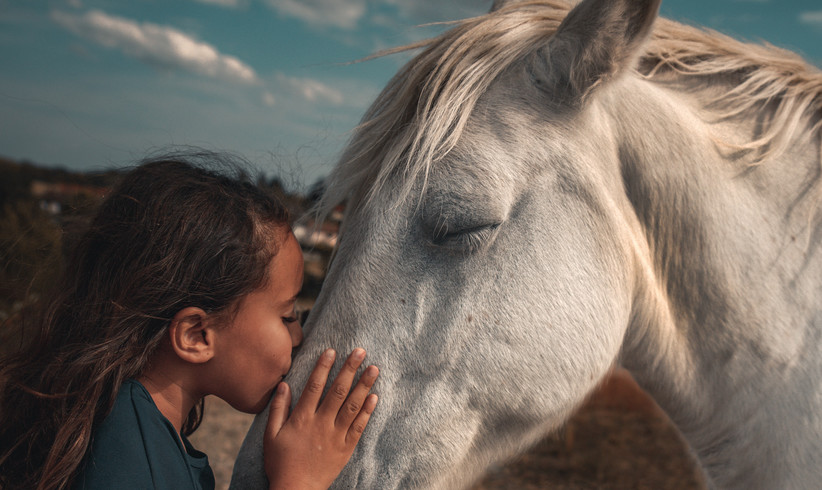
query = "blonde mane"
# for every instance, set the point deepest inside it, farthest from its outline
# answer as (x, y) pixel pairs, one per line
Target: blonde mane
(421, 113)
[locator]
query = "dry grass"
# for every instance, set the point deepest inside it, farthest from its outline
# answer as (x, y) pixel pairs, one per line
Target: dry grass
(220, 436)
(618, 441)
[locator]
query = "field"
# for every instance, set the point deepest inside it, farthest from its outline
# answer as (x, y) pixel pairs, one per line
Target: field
(618, 440)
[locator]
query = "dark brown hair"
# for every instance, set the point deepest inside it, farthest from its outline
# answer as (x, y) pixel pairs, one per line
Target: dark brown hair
(172, 234)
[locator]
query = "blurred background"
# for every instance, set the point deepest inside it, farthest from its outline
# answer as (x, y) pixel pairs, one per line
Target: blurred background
(89, 87)
(94, 84)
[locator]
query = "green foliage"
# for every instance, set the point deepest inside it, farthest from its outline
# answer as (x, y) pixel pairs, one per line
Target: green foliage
(30, 262)
(32, 240)
(29, 242)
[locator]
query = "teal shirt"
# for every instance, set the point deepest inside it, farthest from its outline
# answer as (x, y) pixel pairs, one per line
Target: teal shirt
(136, 447)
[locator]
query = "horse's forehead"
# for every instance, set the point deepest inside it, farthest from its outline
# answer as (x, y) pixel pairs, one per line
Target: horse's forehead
(507, 142)
(478, 168)
(466, 191)
(503, 147)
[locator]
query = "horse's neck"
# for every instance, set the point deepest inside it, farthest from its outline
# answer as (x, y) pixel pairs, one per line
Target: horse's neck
(727, 323)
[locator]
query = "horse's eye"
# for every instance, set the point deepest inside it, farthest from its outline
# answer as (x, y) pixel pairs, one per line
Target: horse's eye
(466, 240)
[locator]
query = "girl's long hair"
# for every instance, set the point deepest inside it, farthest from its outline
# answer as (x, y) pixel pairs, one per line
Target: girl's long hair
(172, 234)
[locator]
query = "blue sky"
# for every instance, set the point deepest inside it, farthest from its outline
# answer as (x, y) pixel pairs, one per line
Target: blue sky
(93, 84)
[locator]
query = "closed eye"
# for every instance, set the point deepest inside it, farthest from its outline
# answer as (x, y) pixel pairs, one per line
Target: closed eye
(467, 240)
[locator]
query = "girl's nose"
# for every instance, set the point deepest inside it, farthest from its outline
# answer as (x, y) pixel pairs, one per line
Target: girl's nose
(295, 329)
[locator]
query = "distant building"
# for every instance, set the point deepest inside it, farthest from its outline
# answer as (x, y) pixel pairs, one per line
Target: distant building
(65, 191)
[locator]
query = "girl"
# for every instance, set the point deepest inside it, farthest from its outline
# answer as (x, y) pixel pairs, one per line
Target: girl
(183, 286)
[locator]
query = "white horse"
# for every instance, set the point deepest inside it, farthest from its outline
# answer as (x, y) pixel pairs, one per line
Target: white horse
(545, 192)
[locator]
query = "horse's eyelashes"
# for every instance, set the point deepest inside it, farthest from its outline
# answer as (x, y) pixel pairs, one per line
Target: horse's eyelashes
(466, 240)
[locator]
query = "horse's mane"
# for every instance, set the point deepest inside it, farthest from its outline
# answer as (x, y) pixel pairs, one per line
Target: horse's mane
(762, 73)
(421, 113)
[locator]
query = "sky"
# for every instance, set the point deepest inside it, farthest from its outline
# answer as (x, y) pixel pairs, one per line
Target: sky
(99, 84)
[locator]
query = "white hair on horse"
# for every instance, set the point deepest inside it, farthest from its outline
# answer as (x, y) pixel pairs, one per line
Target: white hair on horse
(759, 75)
(421, 113)
(545, 192)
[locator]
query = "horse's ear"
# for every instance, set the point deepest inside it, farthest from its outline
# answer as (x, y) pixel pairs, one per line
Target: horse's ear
(596, 41)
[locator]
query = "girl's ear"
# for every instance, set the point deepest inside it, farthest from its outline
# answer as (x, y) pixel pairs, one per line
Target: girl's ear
(192, 336)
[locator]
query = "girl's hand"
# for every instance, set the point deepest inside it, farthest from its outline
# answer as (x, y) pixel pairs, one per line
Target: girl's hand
(309, 449)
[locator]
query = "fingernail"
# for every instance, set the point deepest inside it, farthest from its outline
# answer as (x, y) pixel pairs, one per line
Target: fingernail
(281, 388)
(359, 353)
(329, 354)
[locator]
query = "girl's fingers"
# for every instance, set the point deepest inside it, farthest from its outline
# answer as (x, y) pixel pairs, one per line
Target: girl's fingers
(357, 427)
(342, 383)
(316, 382)
(278, 412)
(357, 401)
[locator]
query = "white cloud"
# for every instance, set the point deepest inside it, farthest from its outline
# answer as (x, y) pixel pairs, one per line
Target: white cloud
(268, 99)
(421, 11)
(811, 17)
(158, 45)
(347, 14)
(311, 90)
(339, 13)
(222, 3)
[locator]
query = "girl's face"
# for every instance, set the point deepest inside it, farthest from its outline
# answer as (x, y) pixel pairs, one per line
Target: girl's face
(253, 353)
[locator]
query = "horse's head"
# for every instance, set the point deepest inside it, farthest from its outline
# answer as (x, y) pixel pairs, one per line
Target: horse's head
(483, 262)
